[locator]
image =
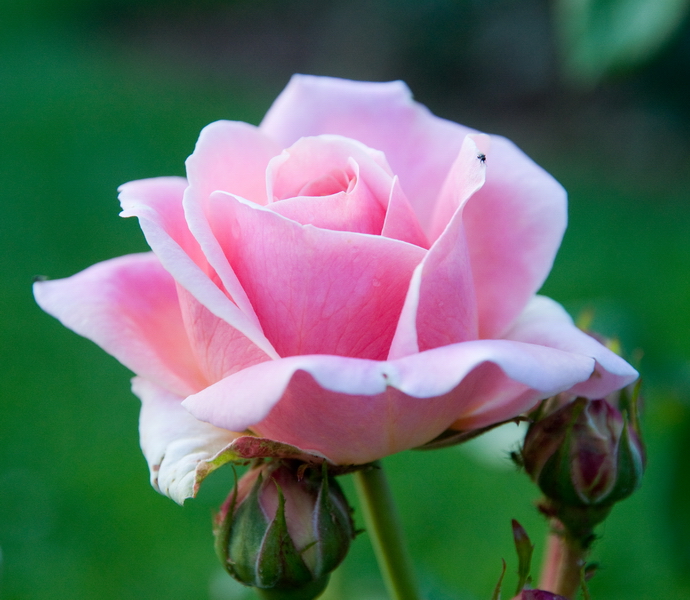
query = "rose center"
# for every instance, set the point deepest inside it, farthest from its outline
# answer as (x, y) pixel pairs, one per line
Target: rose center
(338, 180)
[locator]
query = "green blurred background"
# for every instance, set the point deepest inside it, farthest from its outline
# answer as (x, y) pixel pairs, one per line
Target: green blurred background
(97, 93)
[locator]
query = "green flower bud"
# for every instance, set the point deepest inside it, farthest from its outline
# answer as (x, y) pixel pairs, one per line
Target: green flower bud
(585, 457)
(283, 529)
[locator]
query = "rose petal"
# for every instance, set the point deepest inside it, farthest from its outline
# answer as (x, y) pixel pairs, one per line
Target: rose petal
(419, 147)
(180, 450)
(354, 411)
(315, 291)
(440, 306)
(547, 323)
(401, 221)
(129, 307)
(330, 182)
(157, 203)
(514, 226)
(310, 158)
(232, 157)
(466, 176)
(405, 339)
(219, 349)
(358, 210)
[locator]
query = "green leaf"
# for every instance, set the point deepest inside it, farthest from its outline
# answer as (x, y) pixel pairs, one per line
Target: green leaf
(524, 548)
(598, 37)
(497, 590)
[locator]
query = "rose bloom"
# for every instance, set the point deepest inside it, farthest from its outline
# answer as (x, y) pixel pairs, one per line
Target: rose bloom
(352, 277)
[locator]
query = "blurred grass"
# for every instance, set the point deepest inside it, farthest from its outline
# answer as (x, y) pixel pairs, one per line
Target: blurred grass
(78, 519)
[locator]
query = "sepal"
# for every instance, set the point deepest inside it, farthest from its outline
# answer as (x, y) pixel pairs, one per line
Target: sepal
(283, 529)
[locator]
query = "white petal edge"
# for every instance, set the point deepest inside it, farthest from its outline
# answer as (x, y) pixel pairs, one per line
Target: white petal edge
(179, 449)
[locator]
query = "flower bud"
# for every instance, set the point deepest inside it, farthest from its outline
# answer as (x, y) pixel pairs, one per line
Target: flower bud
(538, 595)
(585, 457)
(284, 529)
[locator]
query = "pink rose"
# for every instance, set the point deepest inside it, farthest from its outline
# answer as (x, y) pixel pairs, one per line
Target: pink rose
(352, 277)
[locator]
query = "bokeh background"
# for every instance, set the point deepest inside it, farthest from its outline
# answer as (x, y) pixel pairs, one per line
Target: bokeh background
(94, 93)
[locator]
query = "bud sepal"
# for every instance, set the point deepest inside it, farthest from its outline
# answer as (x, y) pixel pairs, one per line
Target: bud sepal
(283, 530)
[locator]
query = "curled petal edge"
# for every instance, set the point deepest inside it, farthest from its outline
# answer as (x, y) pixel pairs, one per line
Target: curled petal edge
(182, 451)
(357, 410)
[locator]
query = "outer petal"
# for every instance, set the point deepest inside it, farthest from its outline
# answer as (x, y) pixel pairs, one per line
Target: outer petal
(179, 449)
(545, 322)
(157, 202)
(514, 227)
(316, 291)
(354, 411)
(158, 205)
(420, 147)
(129, 307)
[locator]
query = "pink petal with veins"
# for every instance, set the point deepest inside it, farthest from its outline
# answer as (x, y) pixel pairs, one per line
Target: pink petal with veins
(315, 290)
(514, 226)
(129, 307)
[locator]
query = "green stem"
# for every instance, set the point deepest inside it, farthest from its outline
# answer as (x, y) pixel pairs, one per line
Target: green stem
(382, 523)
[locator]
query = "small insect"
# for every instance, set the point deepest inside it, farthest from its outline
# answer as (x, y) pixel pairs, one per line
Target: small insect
(481, 157)
(516, 457)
